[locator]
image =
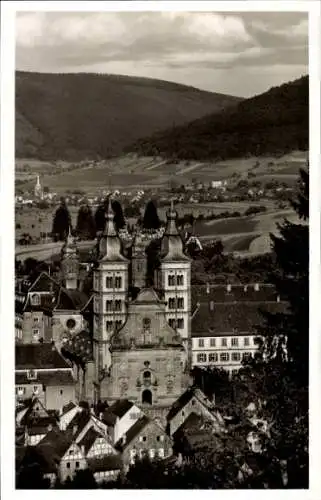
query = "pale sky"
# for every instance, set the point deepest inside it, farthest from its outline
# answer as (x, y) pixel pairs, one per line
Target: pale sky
(234, 53)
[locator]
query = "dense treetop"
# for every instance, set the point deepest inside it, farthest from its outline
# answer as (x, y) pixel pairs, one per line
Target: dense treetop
(275, 122)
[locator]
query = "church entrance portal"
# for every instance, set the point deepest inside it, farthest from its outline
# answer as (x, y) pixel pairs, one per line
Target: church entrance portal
(147, 397)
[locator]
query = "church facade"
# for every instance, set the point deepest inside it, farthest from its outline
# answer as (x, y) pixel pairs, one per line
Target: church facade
(141, 327)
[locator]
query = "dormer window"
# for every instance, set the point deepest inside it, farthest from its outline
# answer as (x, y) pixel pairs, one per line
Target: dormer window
(32, 374)
(35, 299)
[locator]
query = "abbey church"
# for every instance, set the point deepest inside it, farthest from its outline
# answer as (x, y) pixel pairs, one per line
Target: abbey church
(141, 332)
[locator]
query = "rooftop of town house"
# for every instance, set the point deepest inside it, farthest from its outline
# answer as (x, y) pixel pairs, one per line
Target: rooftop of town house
(243, 318)
(41, 356)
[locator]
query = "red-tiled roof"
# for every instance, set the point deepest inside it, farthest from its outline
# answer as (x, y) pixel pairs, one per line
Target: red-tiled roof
(236, 318)
(42, 355)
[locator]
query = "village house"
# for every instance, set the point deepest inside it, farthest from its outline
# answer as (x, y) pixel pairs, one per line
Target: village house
(144, 438)
(41, 371)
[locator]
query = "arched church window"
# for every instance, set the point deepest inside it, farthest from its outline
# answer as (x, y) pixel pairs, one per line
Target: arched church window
(146, 324)
(171, 303)
(171, 280)
(180, 303)
(118, 324)
(117, 305)
(180, 280)
(109, 282)
(109, 305)
(118, 282)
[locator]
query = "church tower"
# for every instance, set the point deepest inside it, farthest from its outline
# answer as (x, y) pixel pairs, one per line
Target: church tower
(174, 279)
(70, 263)
(110, 287)
(38, 188)
(138, 263)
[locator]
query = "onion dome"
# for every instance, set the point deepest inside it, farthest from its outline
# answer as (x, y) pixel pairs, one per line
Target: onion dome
(172, 247)
(110, 246)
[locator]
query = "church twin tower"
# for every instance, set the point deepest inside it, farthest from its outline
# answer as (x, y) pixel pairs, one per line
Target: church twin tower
(141, 332)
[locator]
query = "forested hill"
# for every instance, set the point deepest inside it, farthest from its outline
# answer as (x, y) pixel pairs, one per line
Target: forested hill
(275, 122)
(77, 116)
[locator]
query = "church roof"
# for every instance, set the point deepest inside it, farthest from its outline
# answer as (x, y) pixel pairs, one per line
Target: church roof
(147, 296)
(226, 318)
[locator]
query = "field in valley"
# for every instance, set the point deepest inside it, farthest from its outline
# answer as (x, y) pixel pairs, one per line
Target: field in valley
(241, 234)
(129, 172)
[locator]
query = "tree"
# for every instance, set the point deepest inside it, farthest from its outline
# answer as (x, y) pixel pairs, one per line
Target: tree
(100, 215)
(277, 379)
(119, 219)
(85, 228)
(151, 219)
(61, 222)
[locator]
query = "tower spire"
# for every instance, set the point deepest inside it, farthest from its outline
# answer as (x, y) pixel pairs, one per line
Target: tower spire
(110, 244)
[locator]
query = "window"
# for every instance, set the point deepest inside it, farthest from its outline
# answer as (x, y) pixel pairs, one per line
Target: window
(77, 465)
(118, 282)
(201, 358)
(172, 323)
(35, 331)
(144, 438)
(36, 319)
(212, 357)
(31, 374)
(180, 303)
(180, 280)
(109, 326)
(109, 282)
(35, 389)
(151, 453)
(212, 342)
(224, 342)
(224, 356)
(70, 323)
(68, 465)
(146, 325)
(246, 341)
(246, 356)
(61, 392)
(118, 324)
(157, 438)
(109, 305)
(161, 453)
(35, 299)
(235, 342)
(200, 342)
(21, 391)
(171, 303)
(117, 305)
(180, 323)
(236, 356)
(171, 280)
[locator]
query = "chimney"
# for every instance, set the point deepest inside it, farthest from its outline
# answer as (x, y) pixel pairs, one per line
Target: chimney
(228, 288)
(256, 287)
(207, 288)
